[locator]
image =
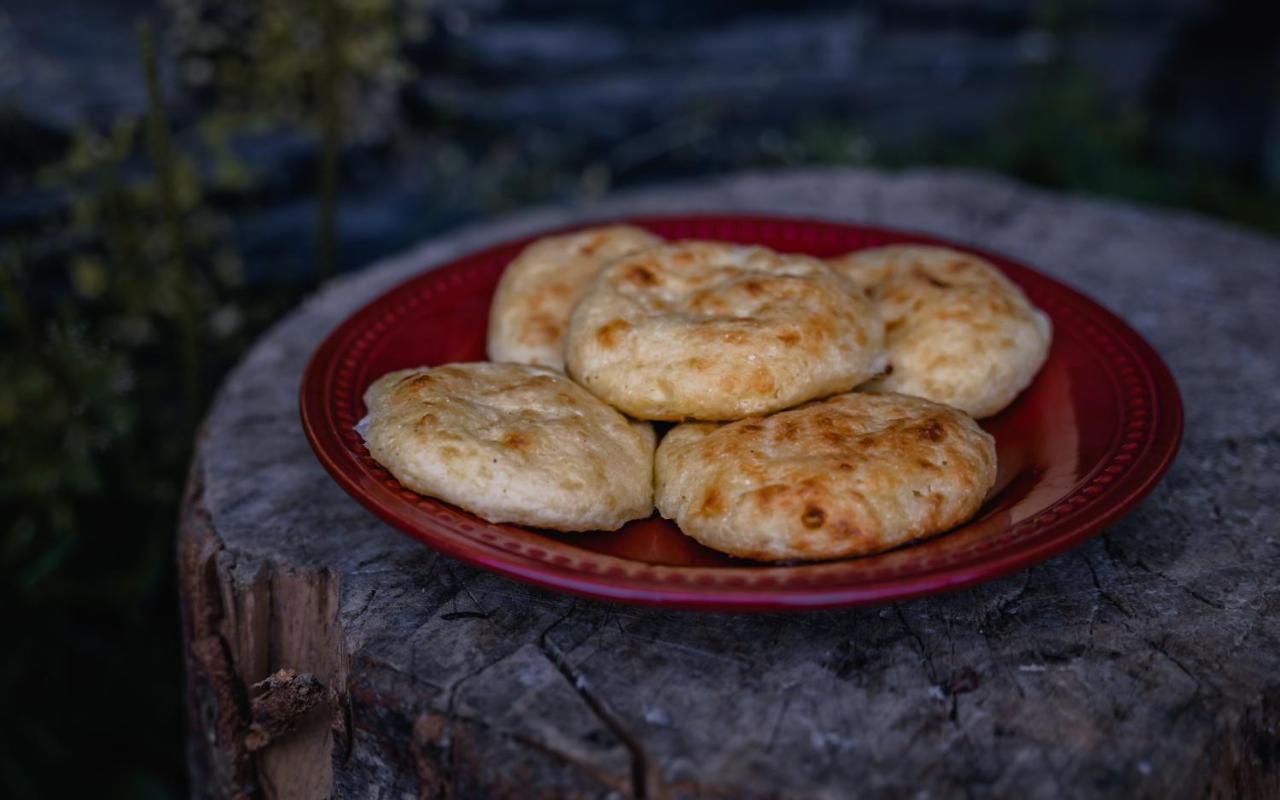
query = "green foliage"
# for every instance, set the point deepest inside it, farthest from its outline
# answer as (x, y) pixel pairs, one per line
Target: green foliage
(118, 319)
(322, 65)
(1062, 135)
(65, 404)
(264, 59)
(263, 65)
(1065, 135)
(116, 322)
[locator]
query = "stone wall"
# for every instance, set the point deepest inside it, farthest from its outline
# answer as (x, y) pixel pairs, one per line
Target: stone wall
(514, 101)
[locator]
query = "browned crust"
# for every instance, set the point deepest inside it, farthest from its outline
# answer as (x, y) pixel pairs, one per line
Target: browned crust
(853, 475)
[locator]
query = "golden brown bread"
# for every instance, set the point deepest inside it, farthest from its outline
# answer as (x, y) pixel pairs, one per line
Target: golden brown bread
(957, 331)
(716, 331)
(511, 443)
(853, 475)
(531, 306)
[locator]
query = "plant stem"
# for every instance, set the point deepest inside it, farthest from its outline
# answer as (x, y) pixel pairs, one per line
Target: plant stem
(330, 76)
(14, 302)
(166, 179)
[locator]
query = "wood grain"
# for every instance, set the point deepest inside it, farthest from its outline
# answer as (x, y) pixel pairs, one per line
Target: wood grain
(1143, 663)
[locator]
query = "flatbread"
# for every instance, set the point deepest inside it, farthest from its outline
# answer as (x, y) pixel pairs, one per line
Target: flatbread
(531, 305)
(853, 475)
(716, 331)
(957, 330)
(511, 443)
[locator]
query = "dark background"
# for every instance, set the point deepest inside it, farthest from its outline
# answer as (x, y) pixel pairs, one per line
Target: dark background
(150, 230)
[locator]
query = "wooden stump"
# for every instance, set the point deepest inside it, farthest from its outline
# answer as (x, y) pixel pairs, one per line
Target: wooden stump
(329, 655)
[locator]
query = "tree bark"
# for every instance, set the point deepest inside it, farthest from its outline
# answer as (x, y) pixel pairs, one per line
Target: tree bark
(1141, 664)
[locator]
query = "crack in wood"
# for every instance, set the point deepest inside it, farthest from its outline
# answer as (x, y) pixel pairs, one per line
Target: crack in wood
(926, 657)
(1075, 691)
(646, 782)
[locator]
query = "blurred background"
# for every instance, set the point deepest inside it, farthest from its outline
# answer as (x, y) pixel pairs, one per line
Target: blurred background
(174, 176)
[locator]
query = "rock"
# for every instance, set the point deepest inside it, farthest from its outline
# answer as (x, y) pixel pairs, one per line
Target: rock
(75, 63)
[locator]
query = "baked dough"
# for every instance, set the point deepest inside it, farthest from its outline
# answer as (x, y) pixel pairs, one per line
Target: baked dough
(853, 475)
(716, 331)
(531, 305)
(511, 443)
(957, 331)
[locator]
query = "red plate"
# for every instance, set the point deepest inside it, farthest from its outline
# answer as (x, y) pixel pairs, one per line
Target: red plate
(1092, 435)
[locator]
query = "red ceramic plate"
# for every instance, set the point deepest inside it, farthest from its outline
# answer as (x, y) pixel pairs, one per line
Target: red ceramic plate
(1092, 435)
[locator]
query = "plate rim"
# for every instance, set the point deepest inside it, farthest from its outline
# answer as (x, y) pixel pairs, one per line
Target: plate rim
(1123, 492)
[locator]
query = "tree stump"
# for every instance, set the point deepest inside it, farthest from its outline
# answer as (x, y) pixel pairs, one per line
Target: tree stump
(329, 655)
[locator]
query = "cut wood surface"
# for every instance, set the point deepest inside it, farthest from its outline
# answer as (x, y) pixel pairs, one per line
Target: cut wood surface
(328, 655)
